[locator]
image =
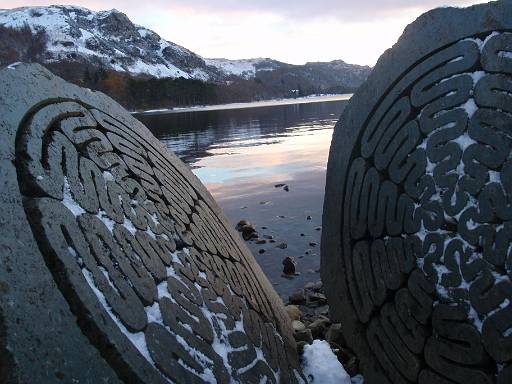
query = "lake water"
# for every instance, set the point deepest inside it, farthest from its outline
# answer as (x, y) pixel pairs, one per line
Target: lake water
(241, 154)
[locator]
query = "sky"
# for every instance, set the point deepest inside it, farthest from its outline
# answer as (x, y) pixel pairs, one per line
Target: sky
(292, 31)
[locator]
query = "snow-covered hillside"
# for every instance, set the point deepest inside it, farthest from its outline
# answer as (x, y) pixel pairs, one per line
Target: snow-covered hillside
(110, 40)
(107, 36)
(246, 68)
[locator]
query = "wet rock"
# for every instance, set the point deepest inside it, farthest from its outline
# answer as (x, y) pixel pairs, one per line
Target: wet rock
(280, 185)
(300, 346)
(322, 310)
(264, 227)
(260, 241)
(297, 297)
(304, 335)
(282, 245)
(241, 224)
(309, 217)
(298, 325)
(271, 241)
(281, 216)
(302, 235)
(261, 250)
(335, 335)
(265, 202)
(307, 252)
(270, 237)
(318, 285)
(319, 327)
(249, 232)
(293, 311)
(318, 228)
(347, 358)
(312, 243)
(289, 265)
(309, 285)
(318, 298)
(286, 188)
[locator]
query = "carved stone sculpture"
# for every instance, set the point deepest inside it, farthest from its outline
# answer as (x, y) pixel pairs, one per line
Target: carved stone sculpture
(417, 238)
(116, 265)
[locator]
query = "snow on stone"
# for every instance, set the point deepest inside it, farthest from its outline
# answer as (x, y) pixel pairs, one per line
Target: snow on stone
(69, 202)
(470, 107)
(320, 365)
(13, 66)
(464, 141)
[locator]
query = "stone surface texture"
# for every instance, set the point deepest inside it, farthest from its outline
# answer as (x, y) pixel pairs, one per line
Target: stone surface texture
(116, 265)
(417, 224)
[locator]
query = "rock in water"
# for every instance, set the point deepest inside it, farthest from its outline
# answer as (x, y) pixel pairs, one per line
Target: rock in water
(416, 218)
(289, 265)
(114, 257)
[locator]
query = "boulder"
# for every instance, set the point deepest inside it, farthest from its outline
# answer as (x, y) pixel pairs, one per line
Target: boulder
(101, 254)
(415, 210)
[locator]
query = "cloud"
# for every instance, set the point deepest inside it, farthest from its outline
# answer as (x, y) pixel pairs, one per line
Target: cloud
(293, 31)
(347, 10)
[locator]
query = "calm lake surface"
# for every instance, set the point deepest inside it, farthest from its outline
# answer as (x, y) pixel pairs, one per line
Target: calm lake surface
(240, 154)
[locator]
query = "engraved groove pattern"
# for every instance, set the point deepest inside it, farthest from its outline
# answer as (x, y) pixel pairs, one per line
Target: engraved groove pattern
(155, 279)
(427, 221)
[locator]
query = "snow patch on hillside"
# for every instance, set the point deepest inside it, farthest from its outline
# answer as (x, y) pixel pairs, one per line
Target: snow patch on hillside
(244, 67)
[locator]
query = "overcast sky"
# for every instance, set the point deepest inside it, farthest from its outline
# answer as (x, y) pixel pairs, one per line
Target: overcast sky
(293, 31)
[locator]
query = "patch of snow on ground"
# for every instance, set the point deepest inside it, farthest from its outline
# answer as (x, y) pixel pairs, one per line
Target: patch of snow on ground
(320, 365)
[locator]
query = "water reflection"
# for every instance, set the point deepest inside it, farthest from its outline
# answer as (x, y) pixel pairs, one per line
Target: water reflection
(241, 154)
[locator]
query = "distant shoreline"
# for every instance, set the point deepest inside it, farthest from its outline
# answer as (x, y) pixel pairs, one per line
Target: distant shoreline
(252, 104)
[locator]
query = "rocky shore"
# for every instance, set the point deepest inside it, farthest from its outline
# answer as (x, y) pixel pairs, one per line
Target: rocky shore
(307, 307)
(309, 313)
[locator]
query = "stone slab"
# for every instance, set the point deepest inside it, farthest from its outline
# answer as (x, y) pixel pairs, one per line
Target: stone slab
(116, 265)
(417, 228)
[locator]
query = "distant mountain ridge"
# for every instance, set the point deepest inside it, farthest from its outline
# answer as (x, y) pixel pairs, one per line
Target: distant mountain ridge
(108, 40)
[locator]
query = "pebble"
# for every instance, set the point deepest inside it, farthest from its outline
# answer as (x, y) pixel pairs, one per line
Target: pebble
(282, 245)
(289, 265)
(240, 224)
(297, 297)
(319, 327)
(298, 325)
(293, 311)
(309, 285)
(302, 235)
(261, 241)
(318, 298)
(312, 244)
(300, 346)
(261, 250)
(309, 217)
(335, 335)
(270, 237)
(249, 232)
(286, 188)
(304, 335)
(318, 228)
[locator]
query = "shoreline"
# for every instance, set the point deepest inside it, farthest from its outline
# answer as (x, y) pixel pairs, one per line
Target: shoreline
(251, 104)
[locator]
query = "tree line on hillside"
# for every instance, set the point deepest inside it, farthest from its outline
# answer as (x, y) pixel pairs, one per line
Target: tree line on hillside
(145, 92)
